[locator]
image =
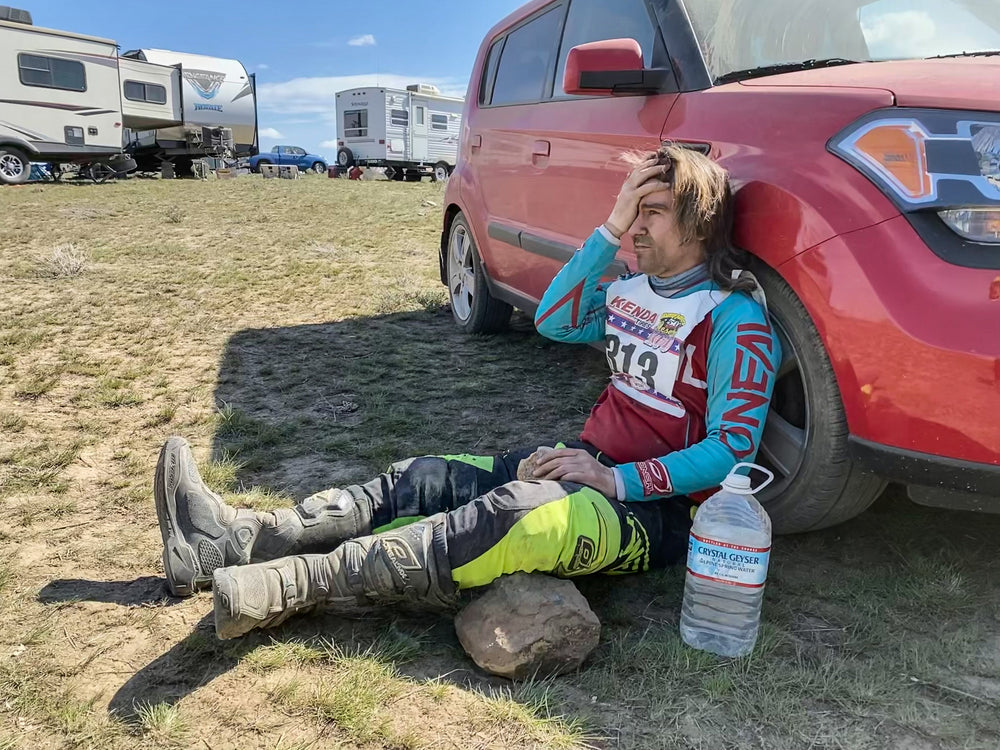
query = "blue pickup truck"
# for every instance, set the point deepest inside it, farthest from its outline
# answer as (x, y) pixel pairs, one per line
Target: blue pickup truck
(290, 155)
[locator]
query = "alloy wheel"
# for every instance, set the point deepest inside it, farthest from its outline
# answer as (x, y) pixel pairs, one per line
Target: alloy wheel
(461, 273)
(11, 167)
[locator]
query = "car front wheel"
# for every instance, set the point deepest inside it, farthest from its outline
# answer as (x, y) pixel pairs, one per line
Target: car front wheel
(319, 167)
(474, 308)
(805, 436)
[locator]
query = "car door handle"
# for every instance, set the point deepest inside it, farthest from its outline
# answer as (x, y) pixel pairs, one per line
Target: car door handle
(476, 142)
(541, 148)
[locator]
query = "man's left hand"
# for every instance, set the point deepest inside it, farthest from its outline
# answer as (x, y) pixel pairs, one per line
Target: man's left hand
(576, 465)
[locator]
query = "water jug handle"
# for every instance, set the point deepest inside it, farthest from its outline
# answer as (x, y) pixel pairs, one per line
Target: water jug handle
(770, 475)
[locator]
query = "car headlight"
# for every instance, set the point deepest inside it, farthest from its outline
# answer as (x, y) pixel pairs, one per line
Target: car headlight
(932, 160)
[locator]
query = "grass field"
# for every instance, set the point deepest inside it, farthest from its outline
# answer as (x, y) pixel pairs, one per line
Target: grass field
(296, 333)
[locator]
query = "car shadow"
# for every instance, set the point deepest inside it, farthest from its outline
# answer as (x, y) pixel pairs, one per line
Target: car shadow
(307, 407)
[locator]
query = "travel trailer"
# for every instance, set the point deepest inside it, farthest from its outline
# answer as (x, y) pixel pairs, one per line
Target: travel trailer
(69, 98)
(217, 100)
(411, 133)
(59, 99)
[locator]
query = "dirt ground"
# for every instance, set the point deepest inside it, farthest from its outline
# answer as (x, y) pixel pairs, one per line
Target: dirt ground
(297, 334)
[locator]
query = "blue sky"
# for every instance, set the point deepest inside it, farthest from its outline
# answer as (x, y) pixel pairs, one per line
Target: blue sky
(301, 51)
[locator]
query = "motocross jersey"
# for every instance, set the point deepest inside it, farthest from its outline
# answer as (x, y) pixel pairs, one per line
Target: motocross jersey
(692, 373)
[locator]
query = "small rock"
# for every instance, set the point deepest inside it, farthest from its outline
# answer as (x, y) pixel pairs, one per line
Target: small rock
(528, 625)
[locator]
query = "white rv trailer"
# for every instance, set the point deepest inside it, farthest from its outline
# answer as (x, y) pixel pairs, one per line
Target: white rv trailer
(218, 108)
(413, 132)
(59, 99)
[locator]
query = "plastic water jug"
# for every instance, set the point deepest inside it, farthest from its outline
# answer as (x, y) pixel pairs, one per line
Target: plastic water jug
(728, 552)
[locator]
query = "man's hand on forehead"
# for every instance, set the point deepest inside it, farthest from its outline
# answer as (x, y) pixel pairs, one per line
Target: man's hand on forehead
(645, 179)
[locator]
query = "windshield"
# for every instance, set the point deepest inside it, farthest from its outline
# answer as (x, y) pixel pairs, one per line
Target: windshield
(744, 34)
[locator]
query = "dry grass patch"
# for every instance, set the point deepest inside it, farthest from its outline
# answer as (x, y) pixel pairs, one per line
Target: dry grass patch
(64, 261)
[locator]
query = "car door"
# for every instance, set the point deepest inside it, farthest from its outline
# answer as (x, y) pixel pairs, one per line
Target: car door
(575, 167)
(519, 66)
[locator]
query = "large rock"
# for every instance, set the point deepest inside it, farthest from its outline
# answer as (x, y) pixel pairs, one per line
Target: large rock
(529, 625)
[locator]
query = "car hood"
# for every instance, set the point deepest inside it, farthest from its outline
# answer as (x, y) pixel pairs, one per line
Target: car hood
(951, 83)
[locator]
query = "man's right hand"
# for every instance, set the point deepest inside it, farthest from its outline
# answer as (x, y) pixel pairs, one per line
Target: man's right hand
(645, 179)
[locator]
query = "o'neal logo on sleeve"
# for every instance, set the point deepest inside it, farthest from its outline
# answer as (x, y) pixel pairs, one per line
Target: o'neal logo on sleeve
(655, 478)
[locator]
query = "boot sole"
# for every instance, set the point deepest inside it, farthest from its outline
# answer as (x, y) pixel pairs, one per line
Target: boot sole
(179, 562)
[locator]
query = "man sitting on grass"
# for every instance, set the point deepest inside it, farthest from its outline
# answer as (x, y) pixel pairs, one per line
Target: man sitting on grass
(692, 360)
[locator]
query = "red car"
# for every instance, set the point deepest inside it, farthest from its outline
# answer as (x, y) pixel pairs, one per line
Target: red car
(863, 138)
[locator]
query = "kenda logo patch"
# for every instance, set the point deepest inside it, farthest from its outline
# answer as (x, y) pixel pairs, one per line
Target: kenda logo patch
(655, 478)
(727, 563)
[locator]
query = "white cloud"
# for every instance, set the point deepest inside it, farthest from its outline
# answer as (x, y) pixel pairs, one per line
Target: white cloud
(328, 144)
(365, 40)
(270, 133)
(263, 66)
(317, 96)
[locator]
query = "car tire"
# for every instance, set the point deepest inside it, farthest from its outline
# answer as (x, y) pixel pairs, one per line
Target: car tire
(345, 158)
(475, 310)
(319, 167)
(260, 164)
(805, 437)
(441, 172)
(15, 168)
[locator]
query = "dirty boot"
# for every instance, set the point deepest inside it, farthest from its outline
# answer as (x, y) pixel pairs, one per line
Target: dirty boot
(201, 533)
(404, 566)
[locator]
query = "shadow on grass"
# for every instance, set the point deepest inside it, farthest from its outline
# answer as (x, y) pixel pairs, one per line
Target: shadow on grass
(307, 407)
(189, 664)
(148, 590)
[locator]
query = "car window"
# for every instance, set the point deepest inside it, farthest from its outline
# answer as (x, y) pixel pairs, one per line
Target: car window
(490, 72)
(299, 151)
(525, 62)
(597, 20)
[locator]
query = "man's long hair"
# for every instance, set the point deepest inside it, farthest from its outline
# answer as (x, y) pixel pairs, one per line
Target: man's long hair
(703, 207)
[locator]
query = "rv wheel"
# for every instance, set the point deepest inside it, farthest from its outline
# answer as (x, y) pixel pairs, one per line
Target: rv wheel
(100, 172)
(441, 172)
(345, 157)
(14, 166)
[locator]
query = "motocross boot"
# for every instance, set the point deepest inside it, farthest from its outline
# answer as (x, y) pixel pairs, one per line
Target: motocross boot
(201, 533)
(407, 566)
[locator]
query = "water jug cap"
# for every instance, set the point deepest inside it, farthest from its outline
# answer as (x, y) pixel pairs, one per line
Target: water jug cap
(736, 482)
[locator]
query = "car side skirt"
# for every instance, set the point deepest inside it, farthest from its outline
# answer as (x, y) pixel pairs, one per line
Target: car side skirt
(929, 471)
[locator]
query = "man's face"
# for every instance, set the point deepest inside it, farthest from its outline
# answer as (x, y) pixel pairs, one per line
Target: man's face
(657, 239)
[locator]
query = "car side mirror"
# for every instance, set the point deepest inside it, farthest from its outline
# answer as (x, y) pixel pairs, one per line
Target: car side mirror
(608, 67)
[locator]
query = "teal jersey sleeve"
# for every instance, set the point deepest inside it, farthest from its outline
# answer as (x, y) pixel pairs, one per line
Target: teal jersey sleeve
(743, 357)
(572, 308)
